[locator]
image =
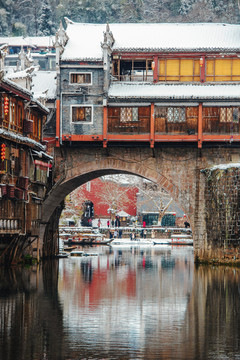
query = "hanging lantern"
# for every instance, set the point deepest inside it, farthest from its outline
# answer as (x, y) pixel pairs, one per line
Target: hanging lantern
(3, 152)
(6, 106)
(153, 65)
(201, 62)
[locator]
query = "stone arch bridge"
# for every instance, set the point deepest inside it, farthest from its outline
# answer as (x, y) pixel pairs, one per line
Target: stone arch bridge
(176, 169)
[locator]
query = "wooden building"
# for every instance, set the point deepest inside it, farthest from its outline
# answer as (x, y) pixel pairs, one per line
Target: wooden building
(148, 83)
(25, 170)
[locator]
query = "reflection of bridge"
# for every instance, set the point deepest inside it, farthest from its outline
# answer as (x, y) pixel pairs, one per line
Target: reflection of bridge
(52, 313)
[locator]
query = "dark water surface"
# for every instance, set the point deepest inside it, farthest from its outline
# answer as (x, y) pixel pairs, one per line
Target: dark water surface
(126, 303)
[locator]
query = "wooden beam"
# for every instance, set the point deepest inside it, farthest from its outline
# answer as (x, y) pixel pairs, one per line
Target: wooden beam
(202, 69)
(200, 132)
(57, 123)
(155, 70)
(152, 126)
(145, 138)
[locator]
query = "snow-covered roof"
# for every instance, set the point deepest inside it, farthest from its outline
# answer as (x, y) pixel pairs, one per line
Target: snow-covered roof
(24, 91)
(44, 84)
(133, 90)
(85, 39)
(34, 41)
(21, 74)
(123, 213)
(21, 139)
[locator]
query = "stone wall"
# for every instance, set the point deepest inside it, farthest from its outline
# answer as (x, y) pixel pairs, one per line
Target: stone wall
(222, 195)
(85, 95)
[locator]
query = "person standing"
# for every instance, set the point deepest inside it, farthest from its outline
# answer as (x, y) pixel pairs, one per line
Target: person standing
(108, 223)
(144, 233)
(115, 234)
(99, 223)
(153, 234)
(144, 223)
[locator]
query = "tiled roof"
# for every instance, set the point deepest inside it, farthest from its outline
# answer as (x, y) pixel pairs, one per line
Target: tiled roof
(85, 39)
(127, 91)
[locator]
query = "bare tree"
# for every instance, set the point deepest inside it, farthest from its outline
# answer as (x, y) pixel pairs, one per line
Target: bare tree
(152, 197)
(114, 195)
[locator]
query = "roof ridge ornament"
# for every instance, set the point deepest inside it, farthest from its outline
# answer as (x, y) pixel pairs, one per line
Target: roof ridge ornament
(109, 36)
(61, 37)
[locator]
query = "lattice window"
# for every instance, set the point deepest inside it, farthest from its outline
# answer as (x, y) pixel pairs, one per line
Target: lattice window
(170, 116)
(228, 115)
(176, 114)
(128, 114)
(81, 113)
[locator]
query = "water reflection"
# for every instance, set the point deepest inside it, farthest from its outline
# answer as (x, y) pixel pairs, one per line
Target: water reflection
(126, 303)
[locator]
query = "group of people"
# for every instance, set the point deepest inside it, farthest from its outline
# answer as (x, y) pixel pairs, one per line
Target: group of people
(115, 222)
(115, 234)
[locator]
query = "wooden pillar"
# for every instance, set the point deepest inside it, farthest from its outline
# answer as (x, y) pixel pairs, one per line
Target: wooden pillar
(155, 70)
(57, 123)
(202, 69)
(152, 130)
(105, 124)
(200, 123)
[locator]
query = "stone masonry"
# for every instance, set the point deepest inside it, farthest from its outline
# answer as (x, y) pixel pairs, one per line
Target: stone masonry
(177, 170)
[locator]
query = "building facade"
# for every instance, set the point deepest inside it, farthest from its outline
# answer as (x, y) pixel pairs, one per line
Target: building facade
(148, 83)
(25, 170)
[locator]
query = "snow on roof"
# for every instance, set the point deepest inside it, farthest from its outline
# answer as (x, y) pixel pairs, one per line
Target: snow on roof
(25, 91)
(222, 167)
(122, 213)
(177, 37)
(85, 39)
(21, 74)
(34, 41)
(174, 91)
(44, 84)
(21, 139)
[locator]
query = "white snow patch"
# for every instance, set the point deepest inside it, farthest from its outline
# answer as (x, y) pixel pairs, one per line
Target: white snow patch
(174, 91)
(225, 166)
(44, 84)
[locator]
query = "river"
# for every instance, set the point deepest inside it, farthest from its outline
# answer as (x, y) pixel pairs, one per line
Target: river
(123, 303)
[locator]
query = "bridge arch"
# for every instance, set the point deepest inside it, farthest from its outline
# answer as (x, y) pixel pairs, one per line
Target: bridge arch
(77, 176)
(175, 170)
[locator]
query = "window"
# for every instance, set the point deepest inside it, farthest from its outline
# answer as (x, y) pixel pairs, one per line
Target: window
(229, 115)
(179, 70)
(81, 78)
(222, 69)
(128, 114)
(133, 70)
(81, 113)
(176, 114)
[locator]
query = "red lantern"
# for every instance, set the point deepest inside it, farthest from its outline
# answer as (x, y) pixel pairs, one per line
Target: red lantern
(3, 152)
(6, 106)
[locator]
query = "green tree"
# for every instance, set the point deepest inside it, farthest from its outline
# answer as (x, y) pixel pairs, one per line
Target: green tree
(46, 26)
